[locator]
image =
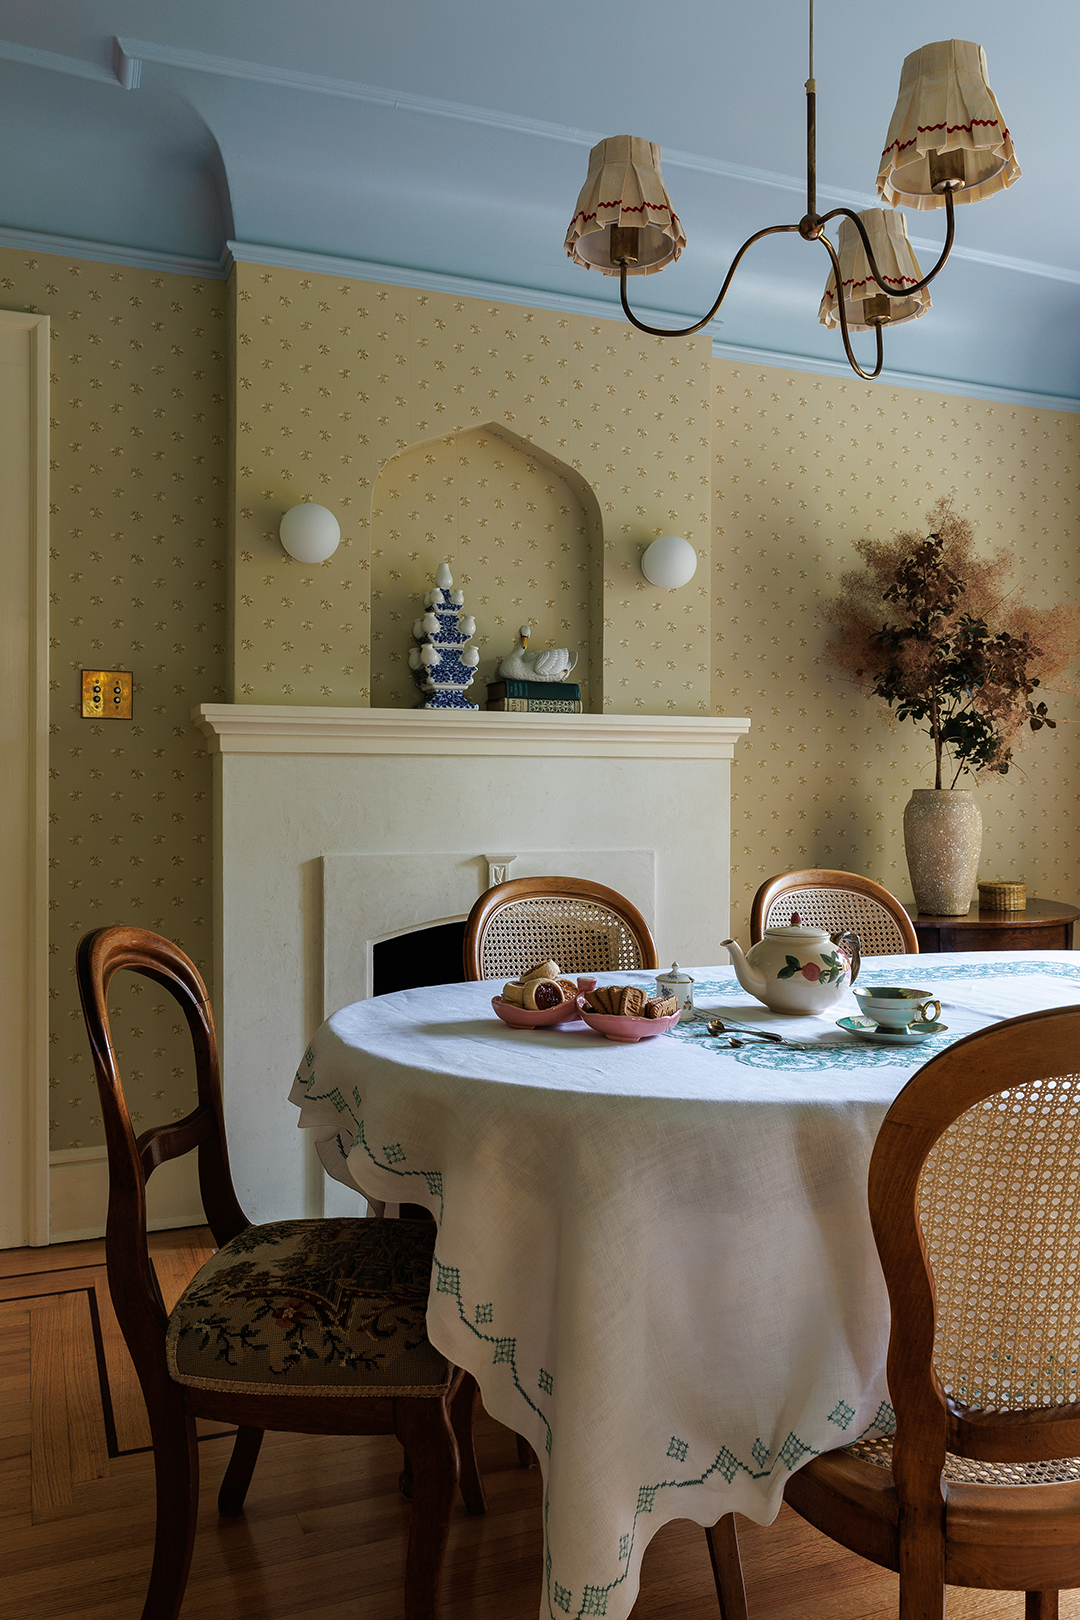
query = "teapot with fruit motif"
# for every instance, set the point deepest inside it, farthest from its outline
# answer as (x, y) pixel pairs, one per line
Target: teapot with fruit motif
(797, 969)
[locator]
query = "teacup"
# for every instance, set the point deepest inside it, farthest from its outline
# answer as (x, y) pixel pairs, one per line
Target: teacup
(894, 1008)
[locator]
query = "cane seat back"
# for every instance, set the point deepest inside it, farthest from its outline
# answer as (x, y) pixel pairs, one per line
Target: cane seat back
(583, 926)
(837, 902)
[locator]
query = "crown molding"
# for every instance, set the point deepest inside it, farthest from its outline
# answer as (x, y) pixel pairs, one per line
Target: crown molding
(895, 379)
(251, 728)
(78, 247)
(53, 62)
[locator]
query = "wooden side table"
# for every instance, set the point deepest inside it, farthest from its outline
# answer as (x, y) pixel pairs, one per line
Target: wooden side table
(1043, 925)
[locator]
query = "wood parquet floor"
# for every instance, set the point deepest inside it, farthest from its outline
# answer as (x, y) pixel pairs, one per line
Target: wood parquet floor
(323, 1535)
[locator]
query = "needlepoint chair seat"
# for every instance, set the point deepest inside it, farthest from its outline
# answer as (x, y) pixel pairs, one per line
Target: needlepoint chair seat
(312, 1306)
(583, 926)
(836, 901)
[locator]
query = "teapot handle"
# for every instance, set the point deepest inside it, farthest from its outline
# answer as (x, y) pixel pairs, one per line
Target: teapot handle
(851, 939)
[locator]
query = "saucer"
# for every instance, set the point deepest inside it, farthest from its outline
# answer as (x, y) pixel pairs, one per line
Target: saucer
(914, 1035)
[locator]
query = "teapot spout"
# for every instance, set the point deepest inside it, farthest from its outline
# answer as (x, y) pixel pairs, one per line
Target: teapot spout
(750, 980)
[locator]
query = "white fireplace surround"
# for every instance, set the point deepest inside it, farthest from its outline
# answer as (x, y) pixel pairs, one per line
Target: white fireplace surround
(337, 828)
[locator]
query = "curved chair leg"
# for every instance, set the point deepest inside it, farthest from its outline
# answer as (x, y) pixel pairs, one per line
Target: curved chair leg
(1040, 1606)
(461, 1419)
(423, 1427)
(234, 1486)
(727, 1568)
(176, 1469)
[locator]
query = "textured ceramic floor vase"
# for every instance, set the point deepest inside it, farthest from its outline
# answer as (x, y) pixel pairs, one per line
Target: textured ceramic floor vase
(943, 840)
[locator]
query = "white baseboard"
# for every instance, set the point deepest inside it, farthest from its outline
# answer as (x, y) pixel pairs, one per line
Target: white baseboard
(79, 1194)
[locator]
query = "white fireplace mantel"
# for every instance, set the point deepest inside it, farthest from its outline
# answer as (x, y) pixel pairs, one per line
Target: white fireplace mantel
(237, 728)
(337, 828)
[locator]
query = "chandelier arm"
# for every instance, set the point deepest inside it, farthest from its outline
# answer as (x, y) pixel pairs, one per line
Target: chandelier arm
(917, 286)
(868, 376)
(685, 331)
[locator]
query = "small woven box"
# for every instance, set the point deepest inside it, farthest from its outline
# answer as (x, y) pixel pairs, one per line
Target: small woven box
(1002, 896)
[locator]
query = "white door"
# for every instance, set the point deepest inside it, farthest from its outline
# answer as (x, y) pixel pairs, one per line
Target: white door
(24, 554)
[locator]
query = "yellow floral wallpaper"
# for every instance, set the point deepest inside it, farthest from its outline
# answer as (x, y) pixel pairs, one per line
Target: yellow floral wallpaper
(805, 466)
(342, 391)
(334, 378)
(137, 582)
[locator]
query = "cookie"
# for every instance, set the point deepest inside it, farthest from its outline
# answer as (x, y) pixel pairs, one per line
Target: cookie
(543, 970)
(662, 1008)
(631, 1001)
(514, 994)
(542, 993)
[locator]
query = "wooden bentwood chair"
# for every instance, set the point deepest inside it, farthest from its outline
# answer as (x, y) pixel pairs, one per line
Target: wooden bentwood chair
(582, 926)
(309, 1326)
(974, 1198)
(837, 901)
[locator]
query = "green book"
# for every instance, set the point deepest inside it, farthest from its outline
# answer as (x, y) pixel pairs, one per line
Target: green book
(565, 691)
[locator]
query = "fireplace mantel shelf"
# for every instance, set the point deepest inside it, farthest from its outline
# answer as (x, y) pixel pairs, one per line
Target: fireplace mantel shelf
(249, 728)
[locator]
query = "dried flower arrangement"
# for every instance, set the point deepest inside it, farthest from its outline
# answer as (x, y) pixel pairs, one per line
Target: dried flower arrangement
(960, 653)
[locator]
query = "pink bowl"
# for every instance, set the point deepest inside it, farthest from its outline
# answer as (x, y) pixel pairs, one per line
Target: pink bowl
(616, 1028)
(534, 1017)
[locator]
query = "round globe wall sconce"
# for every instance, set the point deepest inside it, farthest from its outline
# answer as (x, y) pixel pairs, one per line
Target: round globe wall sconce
(669, 562)
(309, 533)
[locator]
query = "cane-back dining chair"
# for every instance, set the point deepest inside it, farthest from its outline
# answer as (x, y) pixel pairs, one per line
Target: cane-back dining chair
(582, 926)
(838, 901)
(974, 1196)
(309, 1326)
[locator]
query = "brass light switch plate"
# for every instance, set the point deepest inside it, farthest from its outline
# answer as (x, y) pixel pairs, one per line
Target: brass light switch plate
(106, 694)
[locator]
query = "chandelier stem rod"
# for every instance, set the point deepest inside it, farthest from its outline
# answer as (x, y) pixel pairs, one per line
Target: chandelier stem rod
(916, 286)
(811, 127)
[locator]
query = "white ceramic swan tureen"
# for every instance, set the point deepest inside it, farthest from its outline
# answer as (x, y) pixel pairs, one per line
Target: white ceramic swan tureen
(546, 664)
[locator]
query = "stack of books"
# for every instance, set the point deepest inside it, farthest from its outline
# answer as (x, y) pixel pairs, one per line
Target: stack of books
(535, 697)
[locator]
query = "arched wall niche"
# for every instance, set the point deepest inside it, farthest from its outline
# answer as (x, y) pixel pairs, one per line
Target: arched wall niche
(523, 535)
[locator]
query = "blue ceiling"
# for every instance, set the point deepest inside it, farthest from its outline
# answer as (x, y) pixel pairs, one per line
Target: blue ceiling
(441, 143)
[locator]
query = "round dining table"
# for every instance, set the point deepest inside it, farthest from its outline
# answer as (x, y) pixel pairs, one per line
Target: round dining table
(655, 1258)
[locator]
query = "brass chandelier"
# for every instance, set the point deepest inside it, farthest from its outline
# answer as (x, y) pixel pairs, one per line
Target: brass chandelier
(947, 144)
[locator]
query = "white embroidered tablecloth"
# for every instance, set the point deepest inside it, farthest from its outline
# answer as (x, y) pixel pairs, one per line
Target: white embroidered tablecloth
(656, 1259)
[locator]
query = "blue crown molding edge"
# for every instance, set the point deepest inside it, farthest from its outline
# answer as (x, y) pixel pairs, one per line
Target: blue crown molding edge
(465, 287)
(78, 247)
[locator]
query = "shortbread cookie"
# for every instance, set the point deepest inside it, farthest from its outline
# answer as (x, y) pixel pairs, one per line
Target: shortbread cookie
(542, 993)
(514, 994)
(543, 970)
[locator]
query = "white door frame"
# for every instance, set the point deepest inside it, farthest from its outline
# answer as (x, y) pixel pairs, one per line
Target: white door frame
(24, 780)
